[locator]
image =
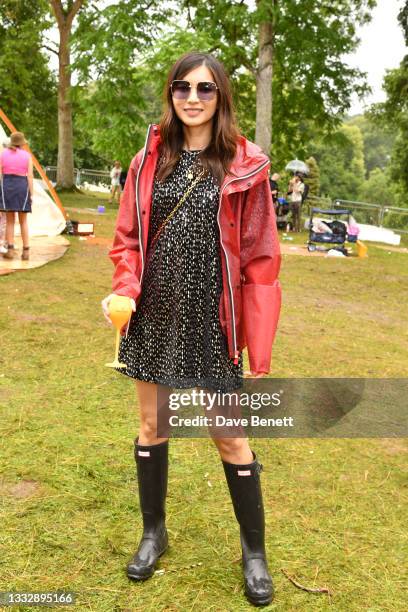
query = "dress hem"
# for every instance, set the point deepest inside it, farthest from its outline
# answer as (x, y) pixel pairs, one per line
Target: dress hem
(186, 383)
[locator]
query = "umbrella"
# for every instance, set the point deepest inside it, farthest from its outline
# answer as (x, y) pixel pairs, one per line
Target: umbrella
(297, 166)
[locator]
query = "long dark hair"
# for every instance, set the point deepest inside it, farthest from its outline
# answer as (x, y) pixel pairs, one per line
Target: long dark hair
(217, 157)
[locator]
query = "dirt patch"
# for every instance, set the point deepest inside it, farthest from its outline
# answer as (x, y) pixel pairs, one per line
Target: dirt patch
(21, 490)
(5, 394)
(353, 307)
(301, 249)
(394, 249)
(54, 299)
(394, 446)
(298, 249)
(25, 316)
(99, 241)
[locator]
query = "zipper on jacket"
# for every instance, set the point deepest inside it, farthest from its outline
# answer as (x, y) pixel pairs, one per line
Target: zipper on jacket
(238, 178)
(137, 201)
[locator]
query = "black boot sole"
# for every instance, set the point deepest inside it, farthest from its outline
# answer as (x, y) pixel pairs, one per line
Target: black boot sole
(141, 577)
(259, 601)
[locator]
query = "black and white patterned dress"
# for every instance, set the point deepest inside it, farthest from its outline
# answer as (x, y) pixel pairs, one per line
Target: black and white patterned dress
(175, 337)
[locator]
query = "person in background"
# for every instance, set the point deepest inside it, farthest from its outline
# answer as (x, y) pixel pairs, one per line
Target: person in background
(115, 181)
(305, 191)
(3, 244)
(273, 182)
(295, 191)
(122, 179)
(16, 192)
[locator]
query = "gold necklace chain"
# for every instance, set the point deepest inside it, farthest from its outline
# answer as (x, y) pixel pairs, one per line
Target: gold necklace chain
(184, 197)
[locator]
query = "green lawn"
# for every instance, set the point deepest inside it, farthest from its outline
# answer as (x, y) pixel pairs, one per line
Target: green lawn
(335, 509)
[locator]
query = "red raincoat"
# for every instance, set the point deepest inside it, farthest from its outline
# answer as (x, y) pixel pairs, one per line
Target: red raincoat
(250, 255)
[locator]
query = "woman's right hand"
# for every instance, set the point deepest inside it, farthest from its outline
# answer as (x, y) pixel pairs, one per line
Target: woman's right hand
(105, 306)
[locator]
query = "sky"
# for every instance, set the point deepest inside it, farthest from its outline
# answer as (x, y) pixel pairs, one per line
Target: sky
(382, 47)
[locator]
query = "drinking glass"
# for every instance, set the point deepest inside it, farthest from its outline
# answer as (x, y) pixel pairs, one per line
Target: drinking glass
(120, 310)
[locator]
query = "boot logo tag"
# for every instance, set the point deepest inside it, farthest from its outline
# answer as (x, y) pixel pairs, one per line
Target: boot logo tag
(143, 453)
(244, 472)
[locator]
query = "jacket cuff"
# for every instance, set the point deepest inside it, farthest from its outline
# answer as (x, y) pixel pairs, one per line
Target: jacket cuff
(261, 308)
(127, 291)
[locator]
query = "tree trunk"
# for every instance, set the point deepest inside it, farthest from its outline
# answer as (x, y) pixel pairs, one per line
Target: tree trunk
(65, 170)
(64, 18)
(263, 134)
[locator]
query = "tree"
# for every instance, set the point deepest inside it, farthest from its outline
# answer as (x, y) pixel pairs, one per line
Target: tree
(313, 179)
(65, 17)
(378, 142)
(341, 162)
(403, 20)
(378, 188)
(27, 86)
(119, 84)
(282, 56)
(266, 40)
(307, 41)
(393, 113)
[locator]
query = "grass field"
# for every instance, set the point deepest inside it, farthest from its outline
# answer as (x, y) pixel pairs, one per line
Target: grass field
(335, 509)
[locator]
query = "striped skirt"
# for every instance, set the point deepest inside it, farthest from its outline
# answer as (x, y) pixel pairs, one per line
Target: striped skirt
(15, 194)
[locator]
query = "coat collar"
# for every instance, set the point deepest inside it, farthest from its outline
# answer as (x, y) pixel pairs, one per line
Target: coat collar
(249, 161)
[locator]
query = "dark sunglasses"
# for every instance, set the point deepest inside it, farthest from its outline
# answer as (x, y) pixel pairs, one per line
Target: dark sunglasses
(206, 90)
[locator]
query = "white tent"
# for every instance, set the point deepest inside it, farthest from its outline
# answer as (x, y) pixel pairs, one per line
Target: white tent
(378, 234)
(46, 218)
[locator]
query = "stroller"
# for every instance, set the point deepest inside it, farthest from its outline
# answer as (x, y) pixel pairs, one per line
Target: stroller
(332, 232)
(282, 210)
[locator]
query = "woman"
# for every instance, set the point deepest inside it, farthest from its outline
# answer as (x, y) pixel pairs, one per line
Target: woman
(295, 191)
(16, 177)
(115, 181)
(209, 289)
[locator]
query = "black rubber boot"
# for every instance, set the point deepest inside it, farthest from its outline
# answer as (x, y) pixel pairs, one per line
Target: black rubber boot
(245, 488)
(152, 471)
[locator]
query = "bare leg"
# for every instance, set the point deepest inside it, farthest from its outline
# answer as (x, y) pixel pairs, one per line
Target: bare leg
(10, 216)
(295, 217)
(113, 197)
(22, 217)
(147, 394)
(234, 450)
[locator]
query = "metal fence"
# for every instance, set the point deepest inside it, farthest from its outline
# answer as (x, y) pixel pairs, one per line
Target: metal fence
(390, 217)
(94, 177)
(82, 176)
